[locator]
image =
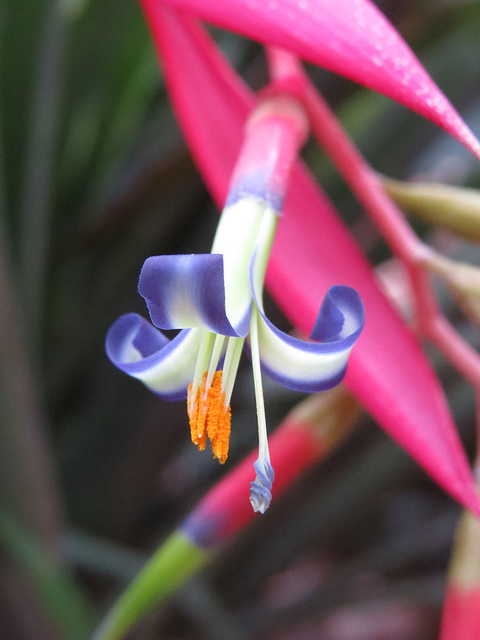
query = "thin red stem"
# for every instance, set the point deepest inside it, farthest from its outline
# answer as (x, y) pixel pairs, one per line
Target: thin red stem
(476, 464)
(286, 71)
(461, 355)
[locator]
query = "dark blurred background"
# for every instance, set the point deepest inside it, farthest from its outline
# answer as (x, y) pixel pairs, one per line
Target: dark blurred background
(94, 469)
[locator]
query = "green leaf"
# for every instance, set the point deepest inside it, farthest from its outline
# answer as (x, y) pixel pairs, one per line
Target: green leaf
(59, 595)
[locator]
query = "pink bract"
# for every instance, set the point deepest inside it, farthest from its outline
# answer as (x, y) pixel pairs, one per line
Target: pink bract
(349, 37)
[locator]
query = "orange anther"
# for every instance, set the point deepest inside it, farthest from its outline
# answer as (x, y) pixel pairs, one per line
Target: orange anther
(208, 415)
(197, 414)
(213, 405)
(222, 437)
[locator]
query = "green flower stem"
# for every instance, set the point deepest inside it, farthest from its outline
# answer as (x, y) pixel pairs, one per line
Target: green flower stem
(174, 562)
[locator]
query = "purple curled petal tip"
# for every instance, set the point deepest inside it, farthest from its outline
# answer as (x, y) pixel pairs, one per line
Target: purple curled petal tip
(314, 366)
(187, 291)
(137, 348)
(341, 317)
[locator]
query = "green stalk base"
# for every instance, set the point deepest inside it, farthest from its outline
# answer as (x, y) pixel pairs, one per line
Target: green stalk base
(174, 562)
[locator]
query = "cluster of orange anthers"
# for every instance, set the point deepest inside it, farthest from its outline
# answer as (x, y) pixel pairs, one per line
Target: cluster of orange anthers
(209, 416)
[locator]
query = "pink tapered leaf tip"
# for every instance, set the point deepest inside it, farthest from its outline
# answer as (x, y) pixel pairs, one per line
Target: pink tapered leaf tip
(349, 37)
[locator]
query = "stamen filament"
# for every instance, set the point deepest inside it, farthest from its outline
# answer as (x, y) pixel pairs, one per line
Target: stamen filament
(230, 366)
(203, 358)
(214, 358)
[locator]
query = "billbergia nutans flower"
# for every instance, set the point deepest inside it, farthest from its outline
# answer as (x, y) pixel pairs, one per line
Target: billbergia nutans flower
(217, 300)
(312, 251)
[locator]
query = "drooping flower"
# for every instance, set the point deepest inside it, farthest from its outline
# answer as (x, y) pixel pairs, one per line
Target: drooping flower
(216, 299)
(388, 372)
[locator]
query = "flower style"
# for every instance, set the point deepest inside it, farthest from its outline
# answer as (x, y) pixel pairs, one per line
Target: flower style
(216, 299)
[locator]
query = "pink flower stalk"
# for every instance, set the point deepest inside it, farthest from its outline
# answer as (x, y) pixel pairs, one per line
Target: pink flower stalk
(312, 250)
(225, 509)
(460, 617)
(305, 437)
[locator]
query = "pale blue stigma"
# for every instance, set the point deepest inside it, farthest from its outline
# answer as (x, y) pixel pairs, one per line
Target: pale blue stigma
(261, 488)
